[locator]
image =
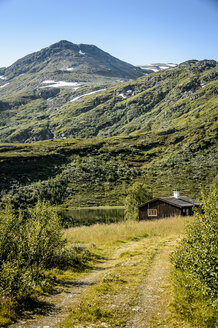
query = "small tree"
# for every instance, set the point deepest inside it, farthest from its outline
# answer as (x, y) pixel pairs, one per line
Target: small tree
(137, 194)
(43, 237)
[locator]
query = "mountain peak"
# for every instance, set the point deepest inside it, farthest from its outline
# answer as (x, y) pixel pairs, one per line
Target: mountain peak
(67, 45)
(62, 44)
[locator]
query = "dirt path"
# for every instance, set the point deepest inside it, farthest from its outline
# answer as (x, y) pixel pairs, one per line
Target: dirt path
(55, 308)
(58, 306)
(150, 300)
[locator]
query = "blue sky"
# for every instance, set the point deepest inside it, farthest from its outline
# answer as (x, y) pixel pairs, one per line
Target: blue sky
(136, 31)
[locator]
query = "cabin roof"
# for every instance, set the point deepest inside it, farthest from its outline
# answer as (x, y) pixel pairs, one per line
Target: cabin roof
(181, 201)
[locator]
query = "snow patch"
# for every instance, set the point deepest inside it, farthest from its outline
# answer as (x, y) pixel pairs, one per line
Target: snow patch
(82, 53)
(2, 77)
(69, 69)
(48, 81)
(77, 98)
(59, 84)
(154, 69)
(86, 94)
(123, 94)
(2, 86)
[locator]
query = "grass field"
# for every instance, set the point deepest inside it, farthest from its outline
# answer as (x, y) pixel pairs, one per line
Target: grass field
(103, 234)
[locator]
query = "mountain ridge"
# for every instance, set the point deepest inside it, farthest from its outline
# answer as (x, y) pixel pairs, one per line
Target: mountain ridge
(68, 90)
(162, 101)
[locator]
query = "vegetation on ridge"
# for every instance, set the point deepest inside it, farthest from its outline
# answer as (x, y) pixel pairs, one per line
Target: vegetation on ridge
(164, 101)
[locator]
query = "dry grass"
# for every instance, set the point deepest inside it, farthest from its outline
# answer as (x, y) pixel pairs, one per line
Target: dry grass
(107, 234)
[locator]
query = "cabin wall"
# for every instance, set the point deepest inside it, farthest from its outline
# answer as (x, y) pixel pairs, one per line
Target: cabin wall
(163, 210)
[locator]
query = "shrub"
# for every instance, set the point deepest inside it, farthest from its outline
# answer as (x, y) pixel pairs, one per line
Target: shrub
(74, 255)
(16, 281)
(28, 244)
(43, 236)
(195, 261)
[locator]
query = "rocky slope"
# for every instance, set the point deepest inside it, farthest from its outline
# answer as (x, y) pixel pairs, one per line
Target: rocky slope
(161, 101)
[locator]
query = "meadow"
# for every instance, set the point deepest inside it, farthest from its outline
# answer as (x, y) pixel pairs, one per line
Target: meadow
(105, 235)
(165, 270)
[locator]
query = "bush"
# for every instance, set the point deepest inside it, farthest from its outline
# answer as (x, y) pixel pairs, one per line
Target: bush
(16, 281)
(28, 244)
(43, 236)
(74, 255)
(195, 261)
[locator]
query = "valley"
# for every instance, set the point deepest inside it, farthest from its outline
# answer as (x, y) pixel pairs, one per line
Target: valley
(97, 136)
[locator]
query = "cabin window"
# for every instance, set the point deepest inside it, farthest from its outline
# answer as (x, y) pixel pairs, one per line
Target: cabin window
(152, 212)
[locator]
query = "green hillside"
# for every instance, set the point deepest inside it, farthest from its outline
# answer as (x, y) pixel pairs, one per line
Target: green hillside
(159, 101)
(90, 172)
(160, 129)
(167, 100)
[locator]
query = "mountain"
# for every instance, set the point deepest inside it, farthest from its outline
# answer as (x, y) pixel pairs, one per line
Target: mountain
(65, 65)
(56, 73)
(156, 67)
(66, 60)
(163, 101)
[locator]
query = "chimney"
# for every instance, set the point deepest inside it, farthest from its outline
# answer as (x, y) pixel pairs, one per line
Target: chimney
(176, 194)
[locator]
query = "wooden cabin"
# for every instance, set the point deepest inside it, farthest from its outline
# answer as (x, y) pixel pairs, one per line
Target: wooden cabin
(167, 206)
